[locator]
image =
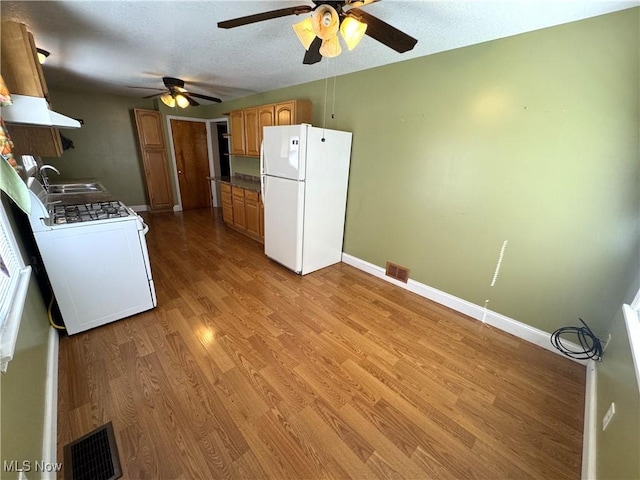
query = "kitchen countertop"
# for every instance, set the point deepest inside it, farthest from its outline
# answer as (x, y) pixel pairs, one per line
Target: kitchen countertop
(248, 182)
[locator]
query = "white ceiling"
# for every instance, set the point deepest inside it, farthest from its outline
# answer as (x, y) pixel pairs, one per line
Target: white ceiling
(112, 46)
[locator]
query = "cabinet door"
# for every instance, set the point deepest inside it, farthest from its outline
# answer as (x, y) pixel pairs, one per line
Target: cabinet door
(20, 69)
(157, 179)
(252, 145)
(239, 218)
(150, 128)
(227, 203)
(285, 113)
(41, 141)
(237, 133)
(252, 211)
(266, 118)
(152, 147)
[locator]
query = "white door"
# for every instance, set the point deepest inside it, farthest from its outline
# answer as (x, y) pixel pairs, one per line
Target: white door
(283, 218)
(283, 151)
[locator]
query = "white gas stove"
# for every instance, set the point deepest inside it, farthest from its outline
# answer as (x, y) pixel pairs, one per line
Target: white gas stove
(96, 258)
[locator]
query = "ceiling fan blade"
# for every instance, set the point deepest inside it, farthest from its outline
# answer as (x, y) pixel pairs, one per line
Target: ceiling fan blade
(192, 102)
(383, 32)
(258, 17)
(358, 3)
(154, 95)
(313, 54)
(205, 97)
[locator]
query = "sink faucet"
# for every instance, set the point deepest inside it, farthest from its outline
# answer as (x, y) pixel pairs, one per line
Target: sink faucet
(44, 176)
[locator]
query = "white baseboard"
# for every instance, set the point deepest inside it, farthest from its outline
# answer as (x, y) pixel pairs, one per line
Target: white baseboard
(139, 208)
(502, 322)
(177, 208)
(50, 433)
(590, 423)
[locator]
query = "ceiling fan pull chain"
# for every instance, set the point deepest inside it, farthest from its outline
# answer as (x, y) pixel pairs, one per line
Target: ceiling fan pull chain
(333, 107)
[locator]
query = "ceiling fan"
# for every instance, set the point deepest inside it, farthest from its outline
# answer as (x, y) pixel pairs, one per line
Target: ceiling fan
(175, 94)
(319, 33)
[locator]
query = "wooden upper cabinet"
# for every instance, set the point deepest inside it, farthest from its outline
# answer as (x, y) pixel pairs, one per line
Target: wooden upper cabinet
(154, 158)
(266, 118)
(247, 124)
(251, 132)
(19, 64)
(40, 141)
(293, 112)
(237, 132)
(149, 128)
(23, 75)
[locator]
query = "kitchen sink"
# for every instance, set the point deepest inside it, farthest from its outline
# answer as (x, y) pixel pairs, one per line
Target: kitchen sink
(76, 188)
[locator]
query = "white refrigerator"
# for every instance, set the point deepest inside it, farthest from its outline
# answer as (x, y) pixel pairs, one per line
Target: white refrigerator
(305, 173)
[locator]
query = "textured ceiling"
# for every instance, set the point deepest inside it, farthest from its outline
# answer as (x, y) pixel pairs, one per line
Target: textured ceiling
(113, 46)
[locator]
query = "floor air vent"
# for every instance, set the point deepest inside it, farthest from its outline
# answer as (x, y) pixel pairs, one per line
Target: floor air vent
(93, 457)
(397, 272)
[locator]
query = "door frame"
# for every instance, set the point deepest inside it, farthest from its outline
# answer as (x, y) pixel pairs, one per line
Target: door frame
(213, 168)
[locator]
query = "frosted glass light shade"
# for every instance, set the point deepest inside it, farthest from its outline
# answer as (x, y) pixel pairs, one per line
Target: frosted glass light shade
(352, 31)
(182, 101)
(325, 22)
(331, 47)
(305, 33)
(168, 100)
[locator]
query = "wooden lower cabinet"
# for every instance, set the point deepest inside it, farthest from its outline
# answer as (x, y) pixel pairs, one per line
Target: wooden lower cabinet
(227, 203)
(242, 209)
(239, 217)
(252, 211)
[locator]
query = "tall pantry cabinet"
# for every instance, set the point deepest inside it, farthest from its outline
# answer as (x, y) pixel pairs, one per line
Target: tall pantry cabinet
(154, 155)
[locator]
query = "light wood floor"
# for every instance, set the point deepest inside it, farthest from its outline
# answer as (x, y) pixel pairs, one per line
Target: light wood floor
(245, 370)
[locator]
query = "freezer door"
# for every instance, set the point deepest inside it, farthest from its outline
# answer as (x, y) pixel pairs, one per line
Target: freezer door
(283, 151)
(283, 220)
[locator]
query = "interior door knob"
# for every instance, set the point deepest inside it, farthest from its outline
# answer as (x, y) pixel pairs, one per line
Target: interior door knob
(180, 172)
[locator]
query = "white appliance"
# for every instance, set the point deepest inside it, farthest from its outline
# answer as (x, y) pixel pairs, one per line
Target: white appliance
(96, 257)
(304, 173)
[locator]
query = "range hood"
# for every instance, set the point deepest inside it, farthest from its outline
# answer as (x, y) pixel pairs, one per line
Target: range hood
(35, 111)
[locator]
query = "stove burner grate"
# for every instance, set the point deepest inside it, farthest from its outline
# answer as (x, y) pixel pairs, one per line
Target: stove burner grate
(87, 212)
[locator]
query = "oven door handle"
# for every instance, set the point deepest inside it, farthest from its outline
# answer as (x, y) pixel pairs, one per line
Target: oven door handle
(145, 227)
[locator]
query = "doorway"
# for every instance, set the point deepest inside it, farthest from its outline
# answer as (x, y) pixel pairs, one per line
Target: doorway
(192, 162)
(199, 149)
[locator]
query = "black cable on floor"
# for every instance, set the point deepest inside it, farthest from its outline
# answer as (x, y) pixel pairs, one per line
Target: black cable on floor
(591, 345)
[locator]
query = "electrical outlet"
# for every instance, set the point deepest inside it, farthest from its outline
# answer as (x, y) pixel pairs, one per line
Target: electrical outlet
(606, 343)
(608, 416)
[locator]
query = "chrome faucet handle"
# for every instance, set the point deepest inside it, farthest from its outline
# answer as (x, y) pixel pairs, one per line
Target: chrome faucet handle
(43, 175)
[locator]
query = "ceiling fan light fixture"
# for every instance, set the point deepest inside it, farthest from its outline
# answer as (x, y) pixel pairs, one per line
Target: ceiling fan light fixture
(168, 100)
(331, 47)
(182, 101)
(352, 31)
(42, 55)
(305, 33)
(325, 22)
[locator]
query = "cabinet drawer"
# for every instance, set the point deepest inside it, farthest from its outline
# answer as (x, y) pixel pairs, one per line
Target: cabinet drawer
(237, 191)
(251, 195)
(225, 188)
(227, 199)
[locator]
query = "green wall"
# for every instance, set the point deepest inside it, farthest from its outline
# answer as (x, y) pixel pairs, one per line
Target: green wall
(22, 387)
(106, 145)
(618, 446)
(531, 139)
